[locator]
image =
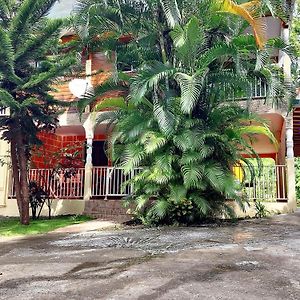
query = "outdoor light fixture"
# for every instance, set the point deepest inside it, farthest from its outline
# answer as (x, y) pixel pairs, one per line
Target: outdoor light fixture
(81, 88)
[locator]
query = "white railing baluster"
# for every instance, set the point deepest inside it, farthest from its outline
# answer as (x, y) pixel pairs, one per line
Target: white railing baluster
(258, 90)
(255, 88)
(283, 182)
(101, 179)
(4, 111)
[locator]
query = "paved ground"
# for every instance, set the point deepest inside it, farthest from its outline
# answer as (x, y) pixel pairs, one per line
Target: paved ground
(257, 259)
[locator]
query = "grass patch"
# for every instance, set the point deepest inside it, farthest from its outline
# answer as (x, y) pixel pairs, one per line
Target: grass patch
(12, 226)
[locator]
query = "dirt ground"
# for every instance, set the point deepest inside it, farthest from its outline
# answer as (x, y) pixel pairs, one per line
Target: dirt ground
(254, 259)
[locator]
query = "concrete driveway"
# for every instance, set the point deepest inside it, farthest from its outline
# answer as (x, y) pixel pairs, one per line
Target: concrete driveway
(255, 259)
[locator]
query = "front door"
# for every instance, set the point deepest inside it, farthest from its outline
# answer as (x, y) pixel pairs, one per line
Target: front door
(99, 157)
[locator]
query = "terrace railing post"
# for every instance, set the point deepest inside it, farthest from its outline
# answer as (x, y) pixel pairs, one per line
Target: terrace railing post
(88, 170)
(88, 125)
(107, 182)
(131, 185)
(290, 165)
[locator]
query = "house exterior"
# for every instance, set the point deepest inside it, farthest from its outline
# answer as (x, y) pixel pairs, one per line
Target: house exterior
(94, 186)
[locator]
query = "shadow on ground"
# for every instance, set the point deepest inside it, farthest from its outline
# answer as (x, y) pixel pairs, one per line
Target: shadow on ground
(254, 259)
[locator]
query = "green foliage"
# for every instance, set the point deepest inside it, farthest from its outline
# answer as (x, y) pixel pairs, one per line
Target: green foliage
(295, 40)
(181, 125)
(186, 175)
(295, 29)
(297, 172)
(31, 60)
(261, 211)
(12, 227)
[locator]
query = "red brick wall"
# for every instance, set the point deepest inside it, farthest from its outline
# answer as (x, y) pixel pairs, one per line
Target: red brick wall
(72, 144)
(54, 147)
(44, 156)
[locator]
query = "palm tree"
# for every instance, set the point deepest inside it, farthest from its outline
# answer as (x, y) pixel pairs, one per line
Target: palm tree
(186, 161)
(31, 60)
(101, 24)
(181, 122)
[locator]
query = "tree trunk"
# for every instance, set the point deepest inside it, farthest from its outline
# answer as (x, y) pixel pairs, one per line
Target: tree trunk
(16, 175)
(22, 157)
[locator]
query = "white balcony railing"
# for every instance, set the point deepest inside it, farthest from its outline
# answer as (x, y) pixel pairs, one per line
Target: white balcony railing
(106, 181)
(268, 184)
(58, 185)
(110, 181)
(259, 90)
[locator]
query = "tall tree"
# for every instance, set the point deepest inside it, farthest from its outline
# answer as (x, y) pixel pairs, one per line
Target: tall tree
(31, 60)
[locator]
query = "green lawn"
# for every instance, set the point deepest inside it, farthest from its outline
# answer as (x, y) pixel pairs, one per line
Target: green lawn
(12, 226)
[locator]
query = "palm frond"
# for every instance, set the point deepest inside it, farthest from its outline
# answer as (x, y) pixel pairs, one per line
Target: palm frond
(256, 129)
(192, 175)
(166, 119)
(201, 203)
(191, 87)
(160, 208)
(177, 193)
(214, 175)
(133, 157)
(171, 12)
(153, 141)
(148, 78)
(248, 11)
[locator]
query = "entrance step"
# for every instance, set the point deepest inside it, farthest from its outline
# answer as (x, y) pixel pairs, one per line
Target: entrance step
(111, 210)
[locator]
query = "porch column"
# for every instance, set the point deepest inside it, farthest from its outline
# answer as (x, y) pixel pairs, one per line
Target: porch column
(88, 164)
(290, 165)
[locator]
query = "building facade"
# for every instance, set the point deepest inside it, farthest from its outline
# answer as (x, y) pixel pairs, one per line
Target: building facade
(92, 185)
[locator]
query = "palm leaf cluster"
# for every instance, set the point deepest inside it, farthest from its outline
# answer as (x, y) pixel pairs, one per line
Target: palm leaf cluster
(185, 164)
(181, 124)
